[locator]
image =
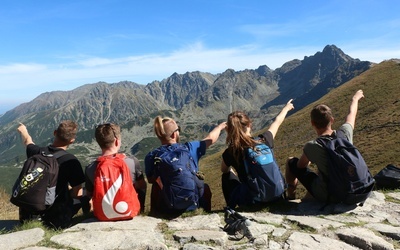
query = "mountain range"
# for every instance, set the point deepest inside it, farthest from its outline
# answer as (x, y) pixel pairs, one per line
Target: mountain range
(197, 100)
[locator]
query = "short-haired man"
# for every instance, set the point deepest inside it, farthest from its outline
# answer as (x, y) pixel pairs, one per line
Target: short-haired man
(297, 169)
(70, 176)
(108, 136)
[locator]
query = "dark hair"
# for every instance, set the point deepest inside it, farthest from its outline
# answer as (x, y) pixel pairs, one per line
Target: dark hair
(321, 115)
(67, 131)
(106, 134)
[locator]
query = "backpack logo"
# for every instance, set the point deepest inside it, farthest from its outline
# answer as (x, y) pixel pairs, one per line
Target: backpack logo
(114, 197)
(349, 179)
(265, 180)
(35, 188)
(176, 169)
(120, 208)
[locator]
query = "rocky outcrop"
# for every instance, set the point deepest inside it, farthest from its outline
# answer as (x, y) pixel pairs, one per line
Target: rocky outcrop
(290, 225)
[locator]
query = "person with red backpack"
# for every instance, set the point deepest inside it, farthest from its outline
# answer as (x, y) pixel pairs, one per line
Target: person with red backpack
(173, 170)
(114, 181)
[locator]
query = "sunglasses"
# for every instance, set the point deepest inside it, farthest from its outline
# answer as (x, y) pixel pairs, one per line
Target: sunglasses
(111, 125)
(178, 129)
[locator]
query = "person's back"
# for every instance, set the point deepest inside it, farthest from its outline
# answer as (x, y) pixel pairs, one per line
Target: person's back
(114, 179)
(297, 169)
(257, 179)
(182, 157)
(69, 181)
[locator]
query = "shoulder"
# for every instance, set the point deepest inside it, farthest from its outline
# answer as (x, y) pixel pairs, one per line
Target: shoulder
(268, 138)
(311, 146)
(195, 145)
(33, 149)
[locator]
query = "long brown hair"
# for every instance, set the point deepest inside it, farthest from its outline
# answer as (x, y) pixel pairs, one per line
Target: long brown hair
(237, 139)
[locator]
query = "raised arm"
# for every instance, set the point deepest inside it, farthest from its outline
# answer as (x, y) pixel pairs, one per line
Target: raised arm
(351, 117)
(26, 138)
(281, 116)
(212, 137)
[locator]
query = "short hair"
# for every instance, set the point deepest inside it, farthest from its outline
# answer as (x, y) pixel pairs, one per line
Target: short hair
(164, 127)
(67, 131)
(106, 134)
(321, 115)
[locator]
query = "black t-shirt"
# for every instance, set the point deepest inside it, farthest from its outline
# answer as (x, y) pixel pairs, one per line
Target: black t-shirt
(230, 160)
(70, 172)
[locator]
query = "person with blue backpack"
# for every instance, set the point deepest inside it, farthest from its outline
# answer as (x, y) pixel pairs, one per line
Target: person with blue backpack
(343, 175)
(251, 174)
(173, 170)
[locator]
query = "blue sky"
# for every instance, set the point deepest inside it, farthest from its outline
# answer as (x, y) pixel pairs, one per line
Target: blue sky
(60, 45)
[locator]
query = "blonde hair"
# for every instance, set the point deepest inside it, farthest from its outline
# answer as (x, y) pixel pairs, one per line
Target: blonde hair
(236, 138)
(164, 127)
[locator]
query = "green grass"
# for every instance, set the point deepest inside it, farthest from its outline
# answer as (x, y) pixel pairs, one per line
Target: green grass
(376, 131)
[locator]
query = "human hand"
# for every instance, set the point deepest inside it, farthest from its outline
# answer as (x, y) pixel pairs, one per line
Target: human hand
(21, 128)
(358, 95)
(289, 105)
(222, 125)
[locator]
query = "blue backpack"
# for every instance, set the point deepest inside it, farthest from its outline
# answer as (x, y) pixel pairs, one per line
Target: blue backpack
(349, 178)
(176, 168)
(264, 178)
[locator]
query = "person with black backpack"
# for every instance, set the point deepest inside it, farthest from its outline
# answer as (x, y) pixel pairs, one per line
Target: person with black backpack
(70, 178)
(173, 170)
(251, 174)
(343, 175)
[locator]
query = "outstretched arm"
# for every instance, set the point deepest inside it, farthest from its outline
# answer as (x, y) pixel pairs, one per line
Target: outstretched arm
(26, 138)
(213, 136)
(281, 116)
(351, 117)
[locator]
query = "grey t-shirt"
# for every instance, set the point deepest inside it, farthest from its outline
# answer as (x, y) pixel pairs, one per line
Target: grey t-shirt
(318, 156)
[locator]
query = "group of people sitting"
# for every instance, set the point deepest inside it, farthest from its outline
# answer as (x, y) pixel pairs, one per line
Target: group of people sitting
(76, 187)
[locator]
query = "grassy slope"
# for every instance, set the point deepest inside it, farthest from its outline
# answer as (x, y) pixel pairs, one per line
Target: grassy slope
(376, 134)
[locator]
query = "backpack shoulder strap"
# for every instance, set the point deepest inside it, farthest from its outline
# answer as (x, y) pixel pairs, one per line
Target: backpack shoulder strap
(59, 153)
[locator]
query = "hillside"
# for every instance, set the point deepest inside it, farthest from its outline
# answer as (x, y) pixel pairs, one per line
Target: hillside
(198, 100)
(376, 134)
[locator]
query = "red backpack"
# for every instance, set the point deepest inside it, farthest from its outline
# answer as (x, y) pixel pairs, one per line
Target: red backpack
(114, 197)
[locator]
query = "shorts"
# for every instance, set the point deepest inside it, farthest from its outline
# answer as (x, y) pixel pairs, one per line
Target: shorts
(304, 175)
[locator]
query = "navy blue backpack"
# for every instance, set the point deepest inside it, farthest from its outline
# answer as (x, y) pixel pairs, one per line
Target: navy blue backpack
(349, 178)
(264, 178)
(176, 168)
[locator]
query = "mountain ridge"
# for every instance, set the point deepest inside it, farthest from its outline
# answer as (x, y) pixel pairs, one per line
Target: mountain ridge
(197, 99)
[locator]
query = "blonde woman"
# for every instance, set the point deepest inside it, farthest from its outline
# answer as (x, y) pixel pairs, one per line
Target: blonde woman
(173, 168)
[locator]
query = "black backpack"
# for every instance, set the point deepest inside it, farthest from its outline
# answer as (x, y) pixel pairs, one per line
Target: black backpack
(237, 225)
(35, 188)
(388, 177)
(349, 178)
